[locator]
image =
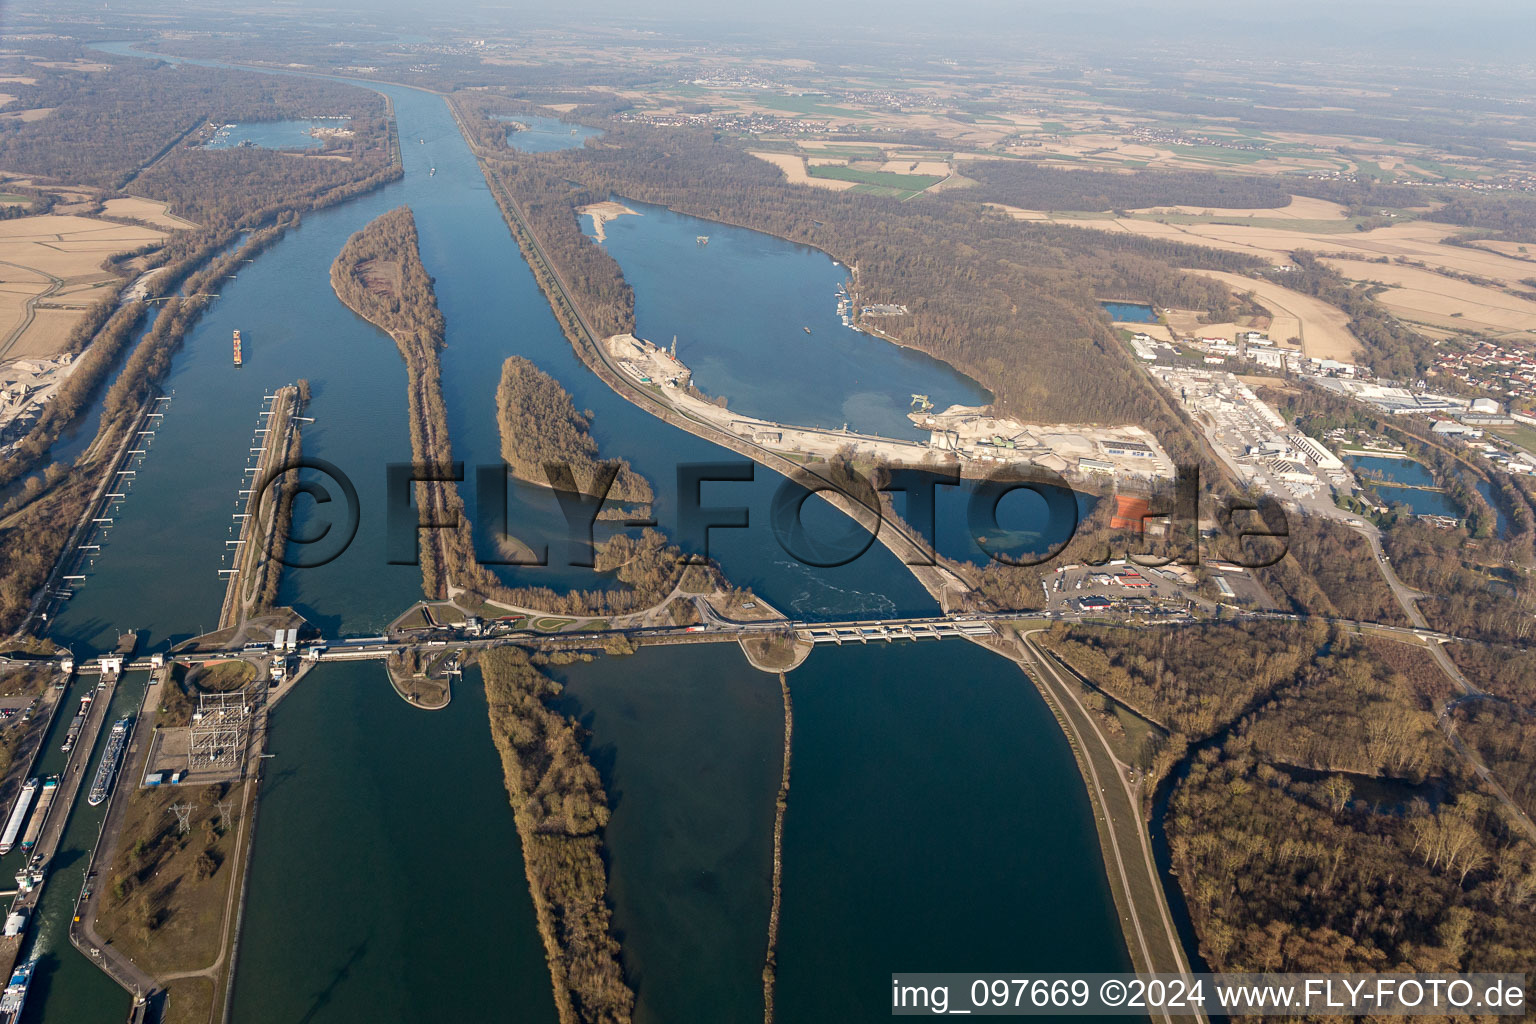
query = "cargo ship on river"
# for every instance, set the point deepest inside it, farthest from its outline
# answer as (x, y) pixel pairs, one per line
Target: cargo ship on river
(106, 772)
(238, 360)
(15, 995)
(18, 816)
(44, 801)
(76, 724)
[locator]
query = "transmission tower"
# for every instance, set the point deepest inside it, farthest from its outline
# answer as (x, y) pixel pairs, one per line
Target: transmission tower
(183, 814)
(224, 806)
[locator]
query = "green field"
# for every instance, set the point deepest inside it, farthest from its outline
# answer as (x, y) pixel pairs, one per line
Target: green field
(1520, 433)
(1081, 215)
(801, 105)
(1220, 154)
(883, 179)
(1321, 227)
(1443, 170)
(966, 116)
(852, 152)
(1371, 169)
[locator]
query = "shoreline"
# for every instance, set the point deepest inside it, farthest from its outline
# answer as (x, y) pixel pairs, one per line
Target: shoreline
(603, 212)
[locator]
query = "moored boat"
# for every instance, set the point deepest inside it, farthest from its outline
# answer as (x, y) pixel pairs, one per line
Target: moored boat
(76, 724)
(40, 815)
(15, 995)
(18, 815)
(111, 757)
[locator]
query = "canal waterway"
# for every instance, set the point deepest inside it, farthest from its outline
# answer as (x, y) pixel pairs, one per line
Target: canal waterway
(354, 914)
(67, 987)
(387, 880)
(689, 741)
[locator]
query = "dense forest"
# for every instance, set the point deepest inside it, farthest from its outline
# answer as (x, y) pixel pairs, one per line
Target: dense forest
(1322, 824)
(1503, 671)
(1330, 570)
(1504, 736)
(1195, 680)
(1470, 594)
(106, 126)
(540, 425)
(560, 809)
(1504, 216)
(222, 187)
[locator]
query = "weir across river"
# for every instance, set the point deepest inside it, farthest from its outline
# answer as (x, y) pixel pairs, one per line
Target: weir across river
(978, 626)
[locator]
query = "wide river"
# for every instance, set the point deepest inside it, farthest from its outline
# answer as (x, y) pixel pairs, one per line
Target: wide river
(937, 820)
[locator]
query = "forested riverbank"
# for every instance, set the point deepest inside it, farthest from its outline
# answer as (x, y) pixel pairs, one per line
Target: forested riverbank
(560, 808)
(379, 274)
(540, 426)
(1297, 751)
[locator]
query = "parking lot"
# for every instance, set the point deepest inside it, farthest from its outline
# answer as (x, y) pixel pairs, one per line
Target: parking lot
(1118, 587)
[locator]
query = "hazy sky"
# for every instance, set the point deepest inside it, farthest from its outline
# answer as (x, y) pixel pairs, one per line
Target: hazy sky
(1463, 26)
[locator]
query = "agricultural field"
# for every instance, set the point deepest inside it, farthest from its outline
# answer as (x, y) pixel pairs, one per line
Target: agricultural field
(51, 270)
(1423, 296)
(1323, 329)
(147, 210)
(864, 169)
(794, 169)
(805, 106)
(1416, 293)
(1521, 434)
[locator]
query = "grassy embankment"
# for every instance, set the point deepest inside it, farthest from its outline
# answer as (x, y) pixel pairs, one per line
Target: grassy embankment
(167, 891)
